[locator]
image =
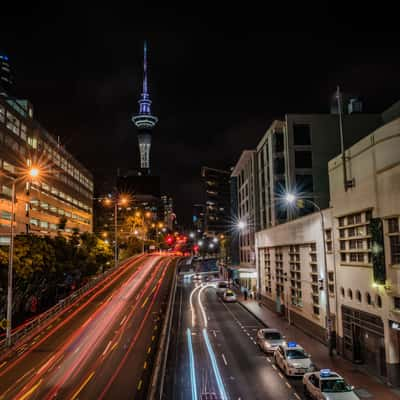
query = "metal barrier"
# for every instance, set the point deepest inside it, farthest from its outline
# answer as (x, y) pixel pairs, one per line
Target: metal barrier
(25, 329)
(157, 380)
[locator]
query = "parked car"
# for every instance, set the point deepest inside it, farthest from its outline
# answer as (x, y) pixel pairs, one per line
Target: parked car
(221, 287)
(293, 360)
(327, 385)
(229, 296)
(269, 339)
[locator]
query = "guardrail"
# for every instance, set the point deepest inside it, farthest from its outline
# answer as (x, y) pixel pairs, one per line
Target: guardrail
(25, 329)
(157, 380)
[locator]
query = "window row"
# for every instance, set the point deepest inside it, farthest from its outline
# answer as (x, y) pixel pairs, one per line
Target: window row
(367, 298)
(46, 225)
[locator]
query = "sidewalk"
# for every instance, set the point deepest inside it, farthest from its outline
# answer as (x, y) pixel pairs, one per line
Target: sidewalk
(365, 385)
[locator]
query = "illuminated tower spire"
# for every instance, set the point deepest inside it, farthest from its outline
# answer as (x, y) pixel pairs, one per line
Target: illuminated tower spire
(144, 120)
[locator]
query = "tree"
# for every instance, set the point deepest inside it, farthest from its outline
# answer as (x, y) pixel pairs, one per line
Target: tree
(62, 222)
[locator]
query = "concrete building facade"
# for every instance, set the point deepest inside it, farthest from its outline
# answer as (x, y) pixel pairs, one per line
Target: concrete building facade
(362, 242)
(366, 221)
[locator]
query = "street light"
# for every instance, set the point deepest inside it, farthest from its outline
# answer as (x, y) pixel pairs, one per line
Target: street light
(293, 200)
(32, 173)
(118, 200)
(241, 225)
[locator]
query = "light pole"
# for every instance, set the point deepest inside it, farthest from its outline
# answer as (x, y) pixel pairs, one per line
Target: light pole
(33, 173)
(291, 199)
(118, 200)
(140, 215)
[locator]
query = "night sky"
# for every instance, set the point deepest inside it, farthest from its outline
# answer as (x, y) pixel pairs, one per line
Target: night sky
(217, 78)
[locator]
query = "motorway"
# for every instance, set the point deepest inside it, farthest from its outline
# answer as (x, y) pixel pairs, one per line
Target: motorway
(213, 350)
(102, 347)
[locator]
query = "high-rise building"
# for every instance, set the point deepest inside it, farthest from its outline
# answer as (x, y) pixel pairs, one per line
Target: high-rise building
(6, 78)
(61, 200)
(167, 212)
(217, 194)
(144, 121)
(245, 172)
(293, 155)
(198, 217)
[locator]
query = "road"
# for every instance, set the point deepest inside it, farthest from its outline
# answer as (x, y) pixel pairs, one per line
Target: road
(213, 350)
(103, 347)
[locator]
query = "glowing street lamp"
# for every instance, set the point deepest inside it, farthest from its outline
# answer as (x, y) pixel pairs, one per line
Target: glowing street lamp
(191, 235)
(241, 225)
(215, 240)
(33, 172)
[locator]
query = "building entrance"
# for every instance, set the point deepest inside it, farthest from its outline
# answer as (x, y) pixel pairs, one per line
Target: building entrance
(363, 339)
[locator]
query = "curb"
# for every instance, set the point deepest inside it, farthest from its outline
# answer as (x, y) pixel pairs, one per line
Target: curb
(254, 315)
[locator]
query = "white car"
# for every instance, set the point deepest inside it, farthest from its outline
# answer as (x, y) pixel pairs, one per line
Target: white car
(293, 360)
(221, 286)
(327, 385)
(269, 339)
(229, 296)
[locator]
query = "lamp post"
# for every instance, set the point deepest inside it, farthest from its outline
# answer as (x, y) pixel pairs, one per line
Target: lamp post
(33, 173)
(118, 200)
(291, 199)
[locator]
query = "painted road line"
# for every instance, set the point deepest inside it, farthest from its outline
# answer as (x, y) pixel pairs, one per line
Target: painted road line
(268, 359)
(3, 364)
(214, 364)
(280, 375)
(86, 381)
(288, 384)
(152, 338)
(297, 396)
(149, 350)
(123, 320)
(107, 347)
(114, 346)
(192, 366)
(274, 367)
(145, 365)
(139, 386)
(223, 357)
(145, 302)
(29, 392)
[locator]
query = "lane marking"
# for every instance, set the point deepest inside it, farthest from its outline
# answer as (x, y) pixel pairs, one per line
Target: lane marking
(268, 359)
(152, 338)
(274, 367)
(145, 302)
(107, 347)
(192, 366)
(149, 350)
(288, 384)
(223, 357)
(86, 381)
(139, 386)
(3, 364)
(214, 364)
(123, 320)
(297, 396)
(29, 392)
(280, 375)
(145, 365)
(114, 346)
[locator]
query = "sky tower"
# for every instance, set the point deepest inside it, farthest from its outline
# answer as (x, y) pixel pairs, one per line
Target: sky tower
(144, 120)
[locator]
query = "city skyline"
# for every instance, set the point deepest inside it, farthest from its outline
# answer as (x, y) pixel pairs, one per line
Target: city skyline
(85, 88)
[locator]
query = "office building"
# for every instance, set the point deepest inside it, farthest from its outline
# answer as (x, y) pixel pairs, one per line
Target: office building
(293, 156)
(217, 202)
(245, 226)
(6, 77)
(60, 201)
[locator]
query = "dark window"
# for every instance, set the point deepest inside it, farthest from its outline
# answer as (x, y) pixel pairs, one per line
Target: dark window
(396, 301)
(278, 142)
(368, 297)
(393, 225)
(302, 159)
(279, 165)
(304, 183)
(379, 301)
(301, 134)
(395, 249)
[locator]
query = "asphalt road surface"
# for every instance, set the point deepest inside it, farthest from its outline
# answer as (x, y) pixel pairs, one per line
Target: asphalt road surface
(213, 350)
(100, 348)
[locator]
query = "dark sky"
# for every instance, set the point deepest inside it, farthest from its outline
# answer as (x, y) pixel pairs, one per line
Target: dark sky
(217, 77)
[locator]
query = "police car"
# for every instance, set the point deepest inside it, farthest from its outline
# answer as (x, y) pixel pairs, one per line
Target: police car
(293, 360)
(327, 385)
